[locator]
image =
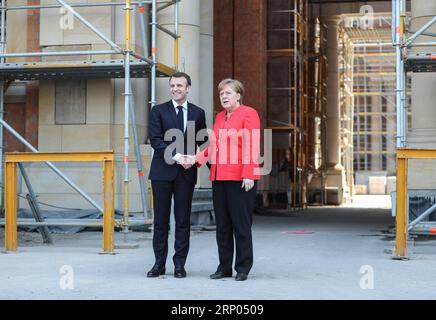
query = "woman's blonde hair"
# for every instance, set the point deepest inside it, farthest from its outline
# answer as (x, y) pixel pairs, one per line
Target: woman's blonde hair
(236, 85)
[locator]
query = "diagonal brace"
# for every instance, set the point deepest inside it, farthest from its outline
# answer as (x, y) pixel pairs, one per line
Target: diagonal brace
(420, 31)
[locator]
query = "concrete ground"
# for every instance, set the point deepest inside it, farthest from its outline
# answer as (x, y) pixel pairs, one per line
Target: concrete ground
(319, 253)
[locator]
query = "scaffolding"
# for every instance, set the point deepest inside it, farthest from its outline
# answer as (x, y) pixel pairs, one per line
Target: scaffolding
(374, 91)
(373, 86)
(374, 121)
(407, 61)
(346, 101)
(317, 96)
(130, 65)
(287, 98)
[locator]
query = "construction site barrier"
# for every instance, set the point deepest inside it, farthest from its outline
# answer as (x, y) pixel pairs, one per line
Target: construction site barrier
(11, 160)
(402, 228)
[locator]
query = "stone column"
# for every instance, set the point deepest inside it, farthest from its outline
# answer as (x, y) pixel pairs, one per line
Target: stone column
(333, 106)
(335, 171)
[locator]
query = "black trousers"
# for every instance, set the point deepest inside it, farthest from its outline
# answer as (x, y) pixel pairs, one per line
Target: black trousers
(162, 194)
(233, 213)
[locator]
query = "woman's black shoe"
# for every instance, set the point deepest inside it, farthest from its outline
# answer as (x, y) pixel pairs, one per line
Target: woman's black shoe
(241, 276)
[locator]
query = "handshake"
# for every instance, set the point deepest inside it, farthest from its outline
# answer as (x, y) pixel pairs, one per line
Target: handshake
(186, 161)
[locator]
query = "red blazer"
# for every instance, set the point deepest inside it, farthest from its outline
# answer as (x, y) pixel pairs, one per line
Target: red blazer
(234, 147)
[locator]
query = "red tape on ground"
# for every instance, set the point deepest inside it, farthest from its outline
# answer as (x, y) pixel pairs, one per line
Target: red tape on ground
(299, 232)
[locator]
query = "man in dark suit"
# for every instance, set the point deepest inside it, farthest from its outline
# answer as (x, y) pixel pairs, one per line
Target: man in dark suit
(172, 173)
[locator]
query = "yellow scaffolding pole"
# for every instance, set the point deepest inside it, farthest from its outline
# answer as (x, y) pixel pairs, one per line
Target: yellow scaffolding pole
(127, 21)
(127, 93)
(176, 53)
(10, 206)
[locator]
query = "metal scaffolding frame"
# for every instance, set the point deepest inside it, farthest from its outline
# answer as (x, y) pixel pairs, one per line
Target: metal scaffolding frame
(346, 101)
(374, 90)
(287, 91)
(132, 65)
(405, 61)
(317, 104)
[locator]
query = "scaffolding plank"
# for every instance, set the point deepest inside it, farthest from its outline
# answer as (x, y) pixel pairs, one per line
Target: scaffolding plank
(421, 62)
(98, 69)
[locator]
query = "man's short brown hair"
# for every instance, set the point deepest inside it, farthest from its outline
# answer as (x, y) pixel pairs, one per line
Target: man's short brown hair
(179, 74)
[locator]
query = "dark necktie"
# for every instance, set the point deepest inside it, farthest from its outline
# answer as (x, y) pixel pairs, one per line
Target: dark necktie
(180, 120)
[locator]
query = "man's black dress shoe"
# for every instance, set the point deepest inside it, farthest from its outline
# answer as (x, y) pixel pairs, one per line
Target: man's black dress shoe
(241, 276)
(179, 272)
(221, 274)
(156, 272)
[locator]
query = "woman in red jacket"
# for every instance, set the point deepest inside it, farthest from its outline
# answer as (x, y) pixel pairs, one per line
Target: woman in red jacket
(233, 153)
